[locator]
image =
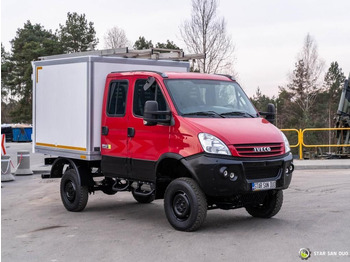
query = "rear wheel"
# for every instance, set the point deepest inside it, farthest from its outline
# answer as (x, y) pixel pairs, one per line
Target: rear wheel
(270, 207)
(185, 204)
(74, 195)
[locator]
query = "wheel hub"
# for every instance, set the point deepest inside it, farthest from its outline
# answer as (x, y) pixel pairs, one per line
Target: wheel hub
(181, 205)
(70, 191)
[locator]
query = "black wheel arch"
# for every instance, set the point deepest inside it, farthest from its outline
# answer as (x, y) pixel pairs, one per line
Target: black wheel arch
(169, 167)
(58, 167)
(80, 167)
(174, 159)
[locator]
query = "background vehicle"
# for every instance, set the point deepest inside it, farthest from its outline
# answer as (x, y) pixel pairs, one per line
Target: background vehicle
(159, 132)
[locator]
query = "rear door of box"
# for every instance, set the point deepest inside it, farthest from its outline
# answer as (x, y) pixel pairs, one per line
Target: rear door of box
(60, 108)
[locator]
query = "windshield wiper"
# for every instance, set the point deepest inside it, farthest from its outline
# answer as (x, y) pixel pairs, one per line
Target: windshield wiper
(238, 113)
(204, 113)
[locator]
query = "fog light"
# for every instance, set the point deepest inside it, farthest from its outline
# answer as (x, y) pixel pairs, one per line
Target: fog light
(290, 169)
(224, 172)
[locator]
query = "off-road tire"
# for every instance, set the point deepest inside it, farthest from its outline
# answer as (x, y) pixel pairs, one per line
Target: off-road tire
(74, 196)
(271, 206)
(185, 204)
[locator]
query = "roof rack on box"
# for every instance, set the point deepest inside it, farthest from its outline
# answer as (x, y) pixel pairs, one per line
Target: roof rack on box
(152, 53)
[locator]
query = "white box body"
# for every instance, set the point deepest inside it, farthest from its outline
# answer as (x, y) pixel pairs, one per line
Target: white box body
(67, 101)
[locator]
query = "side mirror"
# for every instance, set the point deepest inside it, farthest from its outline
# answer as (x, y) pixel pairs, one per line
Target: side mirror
(152, 116)
(270, 114)
(149, 118)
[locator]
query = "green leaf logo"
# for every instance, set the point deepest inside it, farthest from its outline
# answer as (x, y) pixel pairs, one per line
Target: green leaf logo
(304, 253)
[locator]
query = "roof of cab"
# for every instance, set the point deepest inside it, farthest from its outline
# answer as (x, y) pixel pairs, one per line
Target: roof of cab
(191, 75)
(174, 75)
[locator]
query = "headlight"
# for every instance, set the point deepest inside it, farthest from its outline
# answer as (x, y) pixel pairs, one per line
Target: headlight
(286, 143)
(213, 145)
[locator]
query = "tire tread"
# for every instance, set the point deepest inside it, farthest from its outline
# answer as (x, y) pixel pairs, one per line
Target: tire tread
(200, 199)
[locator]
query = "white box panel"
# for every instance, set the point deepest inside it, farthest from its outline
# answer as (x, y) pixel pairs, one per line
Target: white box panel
(61, 105)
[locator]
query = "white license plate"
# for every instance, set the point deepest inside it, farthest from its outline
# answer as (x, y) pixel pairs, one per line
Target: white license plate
(263, 185)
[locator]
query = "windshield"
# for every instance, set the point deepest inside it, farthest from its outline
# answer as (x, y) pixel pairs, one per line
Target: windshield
(209, 98)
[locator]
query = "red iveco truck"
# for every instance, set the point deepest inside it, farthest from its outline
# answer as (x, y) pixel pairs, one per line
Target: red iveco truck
(152, 128)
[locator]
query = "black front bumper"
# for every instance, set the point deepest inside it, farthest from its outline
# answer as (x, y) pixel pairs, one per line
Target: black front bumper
(224, 176)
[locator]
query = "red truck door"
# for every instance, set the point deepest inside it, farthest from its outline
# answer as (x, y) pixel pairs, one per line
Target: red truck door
(146, 143)
(114, 147)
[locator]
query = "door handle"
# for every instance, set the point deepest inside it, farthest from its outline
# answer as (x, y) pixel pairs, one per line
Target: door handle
(131, 132)
(105, 130)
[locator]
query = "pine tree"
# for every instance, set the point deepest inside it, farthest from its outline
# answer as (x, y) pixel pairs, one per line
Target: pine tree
(333, 82)
(304, 86)
(167, 45)
(142, 43)
(77, 34)
(31, 42)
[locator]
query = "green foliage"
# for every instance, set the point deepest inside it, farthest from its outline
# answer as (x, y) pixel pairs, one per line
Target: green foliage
(261, 101)
(77, 34)
(31, 42)
(292, 101)
(142, 43)
(288, 114)
(7, 105)
(333, 82)
(5, 69)
(303, 91)
(167, 45)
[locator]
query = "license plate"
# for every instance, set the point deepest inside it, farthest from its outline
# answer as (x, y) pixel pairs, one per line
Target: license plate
(263, 185)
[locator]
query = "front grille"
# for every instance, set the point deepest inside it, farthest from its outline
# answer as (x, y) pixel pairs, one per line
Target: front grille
(261, 172)
(259, 150)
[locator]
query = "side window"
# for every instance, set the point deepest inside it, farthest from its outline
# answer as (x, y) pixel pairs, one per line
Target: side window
(141, 96)
(117, 98)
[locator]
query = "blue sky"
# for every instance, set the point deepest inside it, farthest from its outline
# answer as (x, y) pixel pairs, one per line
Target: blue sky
(268, 35)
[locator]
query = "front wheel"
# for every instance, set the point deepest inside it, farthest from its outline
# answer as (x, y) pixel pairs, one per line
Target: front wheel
(185, 204)
(74, 196)
(270, 207)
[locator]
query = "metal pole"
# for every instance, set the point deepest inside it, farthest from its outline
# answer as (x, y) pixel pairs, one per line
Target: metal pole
(300, 144)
